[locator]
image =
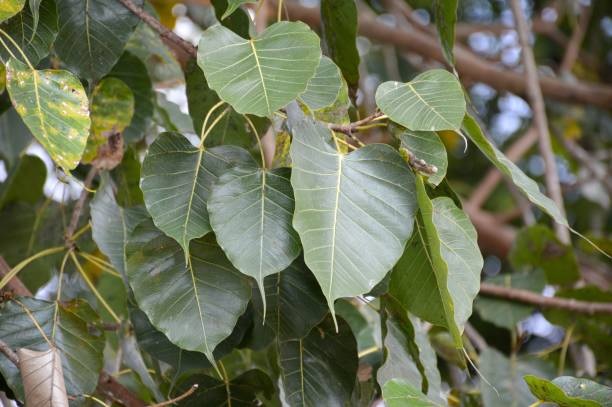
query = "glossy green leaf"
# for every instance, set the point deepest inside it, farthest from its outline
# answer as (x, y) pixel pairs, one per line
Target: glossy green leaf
(490, 309)
(339, 23)
(432, 101)
(133, 73)
(195, 304)
(446, 18)
(537, 247)
(528, 186)
(567, 391)
(54, 106)
(93, 34)
(401, 393)
(63, 326)
(176, 182)
(30, 171)
(261, 75)
(34, 38)
(257, 205)
(112, 108)
(506, 374)
(324, 87)
(427, 146)
(232, 5)
(9, 8)
(353, 212)
(14, 137)
(320, 369)
(438, 276)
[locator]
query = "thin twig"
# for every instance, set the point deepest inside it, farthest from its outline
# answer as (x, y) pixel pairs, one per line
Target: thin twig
(78, 207)
(573, 47)
(529, 297)
(350, 128)
(9, 353)
(188, 393)
(534, 93)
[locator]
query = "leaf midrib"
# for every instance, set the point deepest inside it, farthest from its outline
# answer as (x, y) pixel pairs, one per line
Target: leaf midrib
(263, 83)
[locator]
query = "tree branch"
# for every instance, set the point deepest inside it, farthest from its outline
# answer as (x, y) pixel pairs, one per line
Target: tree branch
(529, 297)
(534, 93)
(15, 284)
(9, 353)
(350, 128)
(573, 47)
(111, 388)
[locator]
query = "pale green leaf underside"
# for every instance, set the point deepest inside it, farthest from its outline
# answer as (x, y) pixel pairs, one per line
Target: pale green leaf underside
(432, 101)
(401, 393)
(353, 212)
(54, 106)
(8, 8)
(427, 146)
(176, 182)
(196, 305)
(232, 5)
(261, 75)
(250, 210)
(324, 87)
(508, 168)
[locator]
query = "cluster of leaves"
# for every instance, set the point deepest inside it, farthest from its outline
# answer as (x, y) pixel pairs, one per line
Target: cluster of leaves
(256, 280)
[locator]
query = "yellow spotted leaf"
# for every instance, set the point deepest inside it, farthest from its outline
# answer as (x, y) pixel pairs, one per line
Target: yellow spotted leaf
(8, 8)
(54, 106)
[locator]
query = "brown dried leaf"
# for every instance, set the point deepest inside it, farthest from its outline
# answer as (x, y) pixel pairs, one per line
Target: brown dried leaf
(43, 378)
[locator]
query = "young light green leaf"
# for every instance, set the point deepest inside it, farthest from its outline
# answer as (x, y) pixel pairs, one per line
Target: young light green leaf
(257, 205)
(324, 87)
(232, 5)
(508, 168)
(432, 101)
(203, 297)
(427, 146)
(320, 369)
(93, 34)
(261, 75)
(401, 393)
(567, 391)
(353, 212)
(339, 23)
(8, 8)
(446, 17)
(438, 276)
(54, 106)
(176, 182)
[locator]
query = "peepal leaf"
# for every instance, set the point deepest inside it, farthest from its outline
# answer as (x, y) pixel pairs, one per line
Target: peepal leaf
(54, 106)
(257, 205)
(261, 75)
(8, 8)
(43, 377)
(432, 101)
(401, 393)
(176, 182)
(93, 34)
(508, 168)
(353, 212)
(324, 87)
(195, 303)
(427, 146)
(567, 391)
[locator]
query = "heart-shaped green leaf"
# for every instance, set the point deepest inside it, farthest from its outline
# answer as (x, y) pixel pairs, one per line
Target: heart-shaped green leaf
(431, 101)
(353, 212)
(261, 75)
(324, 87)
(176, 182)
(54, 106)
(196, 303)
(257, 205)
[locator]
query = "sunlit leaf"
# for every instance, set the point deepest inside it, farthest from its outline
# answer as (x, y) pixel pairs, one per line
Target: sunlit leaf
(401, 393)
(54, 106)
(567, 391)
(9, 8)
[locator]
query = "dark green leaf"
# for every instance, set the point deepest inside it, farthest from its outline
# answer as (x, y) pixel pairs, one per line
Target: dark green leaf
(569, 391)
(233, 5)
(127, 180)
(30, 171)
(14, 136)
(239, 21)
(446, 17)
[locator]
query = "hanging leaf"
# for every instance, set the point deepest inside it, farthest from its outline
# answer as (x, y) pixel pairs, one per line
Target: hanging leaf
(64, 329)
(446, 18)
(339, 23)
(43, 377)
(324, 87)
(353, 212)
(567, 391)
(93, 34)
(432, 101)
(9, 8)
(112, 108)
(427, 146)
(261, 75)
(232, 5)
(320, 369)
(176, 182)
(508, 168)
(400, 393)
(438, 276)
(33, 32)
(30, 171)
(127, 180)
(256, 204)
(54, 106)
(133, 73)
(204, 296)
